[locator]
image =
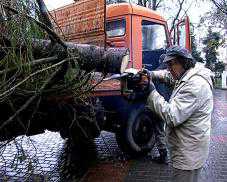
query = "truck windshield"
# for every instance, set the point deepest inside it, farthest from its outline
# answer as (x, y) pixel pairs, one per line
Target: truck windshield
(153, 36)
(115, 28)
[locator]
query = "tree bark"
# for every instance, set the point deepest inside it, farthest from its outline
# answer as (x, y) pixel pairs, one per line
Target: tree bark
(92, 58)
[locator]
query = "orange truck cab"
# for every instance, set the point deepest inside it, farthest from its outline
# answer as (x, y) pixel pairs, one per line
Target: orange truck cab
(146, 35)
(141, 30)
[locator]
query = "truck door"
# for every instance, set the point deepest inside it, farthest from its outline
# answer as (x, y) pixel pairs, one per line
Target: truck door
(154, 43)
(181, 33)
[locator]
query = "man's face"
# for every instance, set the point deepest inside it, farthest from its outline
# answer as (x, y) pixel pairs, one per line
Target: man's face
(175, 69)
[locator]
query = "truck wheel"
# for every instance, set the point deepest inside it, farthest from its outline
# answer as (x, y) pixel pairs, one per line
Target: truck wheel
(137, 137)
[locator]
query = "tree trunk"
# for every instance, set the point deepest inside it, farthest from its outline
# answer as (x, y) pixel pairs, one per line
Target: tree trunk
(112, 60)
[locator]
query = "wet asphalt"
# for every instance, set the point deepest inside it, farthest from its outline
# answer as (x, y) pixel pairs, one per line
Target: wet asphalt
(47, 157)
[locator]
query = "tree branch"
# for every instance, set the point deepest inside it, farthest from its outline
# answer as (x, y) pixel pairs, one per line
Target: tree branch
(185, 11)
(33, 63)
(44, 13)
(219, 6)
(158, 3)
(177, 15)
(32, 75)
(31, 99)
(42, 25)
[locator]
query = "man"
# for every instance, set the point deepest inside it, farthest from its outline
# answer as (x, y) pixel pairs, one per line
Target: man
(187, 114)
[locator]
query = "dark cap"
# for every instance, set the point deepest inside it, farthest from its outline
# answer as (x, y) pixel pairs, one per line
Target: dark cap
(168, 58)
(176, 51)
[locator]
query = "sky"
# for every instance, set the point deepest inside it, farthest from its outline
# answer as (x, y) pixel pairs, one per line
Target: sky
(52, 4)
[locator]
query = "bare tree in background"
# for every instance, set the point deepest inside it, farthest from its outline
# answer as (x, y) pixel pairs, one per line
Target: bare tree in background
(152, 4)
(217, 17)
(180, 2)
(155, 4)
(221, 5)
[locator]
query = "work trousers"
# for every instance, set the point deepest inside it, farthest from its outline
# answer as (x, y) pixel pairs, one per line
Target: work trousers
(186, 175)
(160, 135)
(159, 125)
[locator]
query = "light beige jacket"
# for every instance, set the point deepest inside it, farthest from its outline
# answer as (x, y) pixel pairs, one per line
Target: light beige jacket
(188, 116)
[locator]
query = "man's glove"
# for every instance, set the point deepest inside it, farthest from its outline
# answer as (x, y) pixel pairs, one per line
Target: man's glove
(141, 95)
(150, 76)
(149, 73)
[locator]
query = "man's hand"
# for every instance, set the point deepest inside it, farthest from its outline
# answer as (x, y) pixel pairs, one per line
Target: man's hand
(142, 86)
(148, 73)
(150, 76)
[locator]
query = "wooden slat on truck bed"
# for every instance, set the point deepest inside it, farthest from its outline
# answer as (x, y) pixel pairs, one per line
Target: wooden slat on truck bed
(82, 21)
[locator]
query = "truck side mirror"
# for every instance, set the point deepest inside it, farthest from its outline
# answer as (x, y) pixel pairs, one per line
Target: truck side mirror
(183, 33)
